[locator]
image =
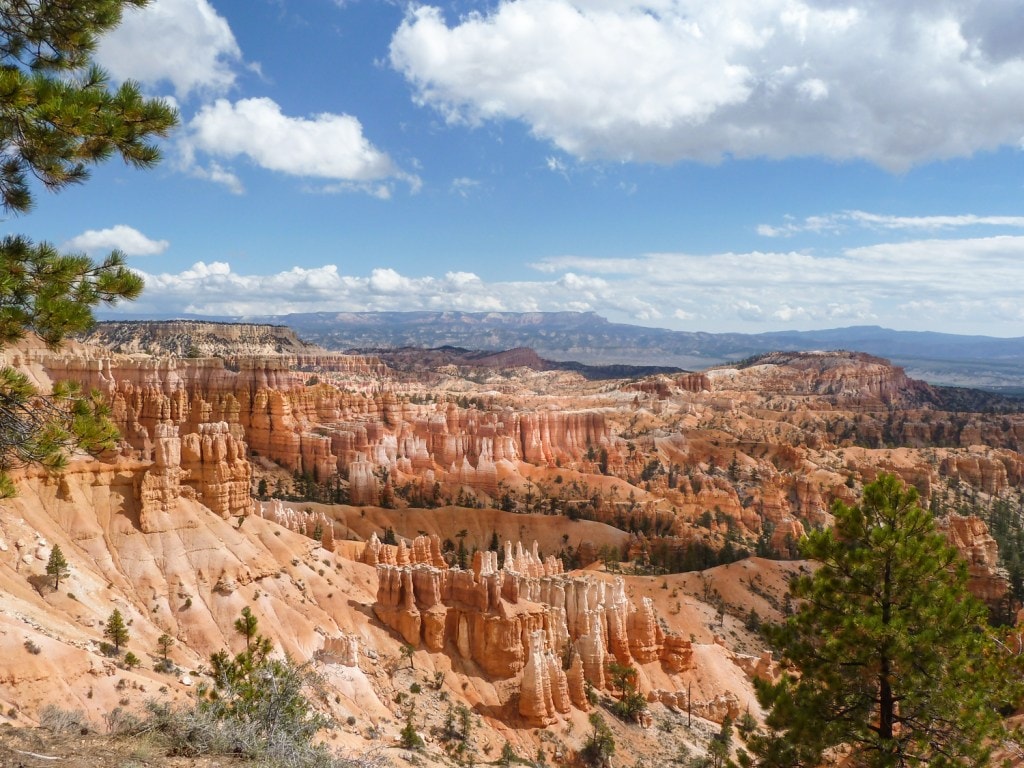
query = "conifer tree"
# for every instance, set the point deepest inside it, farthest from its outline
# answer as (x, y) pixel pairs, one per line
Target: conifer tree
(116, 631)
(897, 663)
(164, 642)
(56, 566)
(246, 626)
(59, 115)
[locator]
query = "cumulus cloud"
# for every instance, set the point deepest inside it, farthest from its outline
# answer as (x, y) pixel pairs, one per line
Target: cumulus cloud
(183, 42)
(324, 146)
(965, 285)
(837, 222)
(120, 237)
(667, 80)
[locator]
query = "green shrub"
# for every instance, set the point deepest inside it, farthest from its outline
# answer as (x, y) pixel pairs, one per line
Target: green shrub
(408, 737)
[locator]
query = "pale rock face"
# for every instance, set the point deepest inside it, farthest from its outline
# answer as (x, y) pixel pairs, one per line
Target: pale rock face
(544, 689)
(576, 683)
(216, 466)
(645, 635)
(716, 710)
(343, 650)
(762, 667)
(308, 524)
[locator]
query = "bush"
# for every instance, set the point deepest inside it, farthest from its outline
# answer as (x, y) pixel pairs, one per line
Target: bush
(600, 744)
(408, 737)
(256, 709)
(630, 707)
(107, 649)
(508, 755)
(32, 647)
(59, 720)
(121, 723)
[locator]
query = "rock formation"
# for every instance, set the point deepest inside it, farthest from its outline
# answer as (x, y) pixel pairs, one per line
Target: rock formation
(970, 536)
(315, 525)
(520, 619)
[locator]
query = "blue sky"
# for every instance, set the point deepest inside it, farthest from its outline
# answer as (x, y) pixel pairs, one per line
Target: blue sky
(742, 165)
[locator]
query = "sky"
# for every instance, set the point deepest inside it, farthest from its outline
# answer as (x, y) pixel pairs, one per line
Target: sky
(738, 165)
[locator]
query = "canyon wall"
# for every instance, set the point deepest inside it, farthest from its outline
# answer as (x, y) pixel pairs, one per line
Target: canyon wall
(359, 430)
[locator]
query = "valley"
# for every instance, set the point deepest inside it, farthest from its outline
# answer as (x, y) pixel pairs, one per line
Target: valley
(442, 533)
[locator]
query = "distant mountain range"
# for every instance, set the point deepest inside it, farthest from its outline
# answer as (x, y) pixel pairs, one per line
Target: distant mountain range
(984, 362)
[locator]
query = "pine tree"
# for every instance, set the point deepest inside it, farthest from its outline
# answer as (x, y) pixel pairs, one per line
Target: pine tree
(246, 626)
(164, 642)
(116, 631)
(56, 566)
(896, 660)
(599, 746)
(407, 650)
(58, 117)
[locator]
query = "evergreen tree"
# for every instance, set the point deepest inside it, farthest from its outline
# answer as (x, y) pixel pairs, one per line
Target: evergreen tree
(721, 745)
(246, 626)
(263, 702)
(56, 566)
(164, 642)
(599, 746)
(897, 662)
(406, 651)
(116, 631)
(58, 117)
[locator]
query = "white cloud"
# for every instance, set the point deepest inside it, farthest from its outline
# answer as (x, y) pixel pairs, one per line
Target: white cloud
(666, 80)
(218, 174)
(183, 42)
(464, 186)
(324, 146)
(121, 237)
(836, 222)
(957, 285)
(388, 281)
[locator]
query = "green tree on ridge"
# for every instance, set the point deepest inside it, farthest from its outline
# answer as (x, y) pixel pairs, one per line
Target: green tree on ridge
(897, 663)
(57, 566)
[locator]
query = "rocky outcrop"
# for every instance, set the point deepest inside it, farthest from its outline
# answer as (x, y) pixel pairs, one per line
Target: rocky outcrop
(677, 654)
(210, 466)
(215, 465)
(314, 525)
(991, 473)
(853, 378)
(520, 619)
(716, 709)
(425, 550)
(971, 537)
(343, 650)
(544, 689)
